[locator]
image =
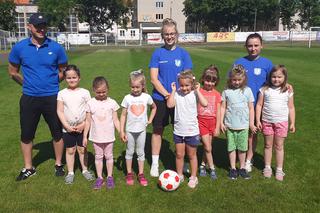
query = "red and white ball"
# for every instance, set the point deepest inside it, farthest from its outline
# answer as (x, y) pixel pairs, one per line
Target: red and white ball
(169, 180)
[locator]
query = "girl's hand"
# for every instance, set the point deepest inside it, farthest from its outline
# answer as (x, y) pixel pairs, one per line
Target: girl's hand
(289, 87)
(123, 137)
(197, 86)
(80, 127)
(173, 86)
(223, 128)
(292, 128)
(253, 129)
(85, 142)
(259, 126)
(70, 129)
(216, 132)
(148, 123)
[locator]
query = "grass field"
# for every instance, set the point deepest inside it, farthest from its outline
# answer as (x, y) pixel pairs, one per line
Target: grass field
(300, 192)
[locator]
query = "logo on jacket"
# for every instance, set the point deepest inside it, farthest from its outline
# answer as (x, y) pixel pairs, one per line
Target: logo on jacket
(177, 62)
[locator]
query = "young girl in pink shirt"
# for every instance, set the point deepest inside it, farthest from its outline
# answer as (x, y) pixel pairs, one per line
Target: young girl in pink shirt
(101, 120)
(209, 118)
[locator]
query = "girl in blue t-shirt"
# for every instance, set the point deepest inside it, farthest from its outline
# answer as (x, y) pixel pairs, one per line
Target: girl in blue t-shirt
(237, 115)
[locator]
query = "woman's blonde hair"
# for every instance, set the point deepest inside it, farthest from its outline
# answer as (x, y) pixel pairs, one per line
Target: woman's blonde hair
(169, 22)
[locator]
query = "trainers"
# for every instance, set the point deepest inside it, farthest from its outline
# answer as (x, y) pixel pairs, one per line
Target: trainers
(213, 174)
(69, 179)
(59, 170)
(142, 180)
(244, 174)
(279, 175)
(193, 182)
(202, 171)
(233, 174)
(110, 182)
(129, 179)
(267, 172)
(248, 166)
(98, 184)
(88, 175)
(181, 178)
(154, 171)
(25, 173)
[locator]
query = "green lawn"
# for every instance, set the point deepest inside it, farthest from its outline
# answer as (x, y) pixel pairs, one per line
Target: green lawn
(300, 192)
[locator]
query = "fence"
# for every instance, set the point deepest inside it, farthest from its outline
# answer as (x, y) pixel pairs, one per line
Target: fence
(69, 40)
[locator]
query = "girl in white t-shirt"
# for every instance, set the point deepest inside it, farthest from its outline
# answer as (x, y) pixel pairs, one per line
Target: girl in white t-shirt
(134, 111)
(275, 105)
(71, 105)
(101, 120)
(186, 129)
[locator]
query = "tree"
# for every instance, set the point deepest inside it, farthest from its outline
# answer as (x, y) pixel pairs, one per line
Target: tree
(196, 12)
(8, 15)
(225, 15)
(102, 14)
(57, 11)
(288, 9)
(309, 13)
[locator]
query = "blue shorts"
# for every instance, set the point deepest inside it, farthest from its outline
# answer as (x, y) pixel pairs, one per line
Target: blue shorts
(190, 140)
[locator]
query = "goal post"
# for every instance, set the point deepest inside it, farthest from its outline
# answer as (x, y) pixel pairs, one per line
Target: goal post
(314, 35)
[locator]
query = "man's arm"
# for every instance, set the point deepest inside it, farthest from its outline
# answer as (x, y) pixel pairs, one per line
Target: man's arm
(61, 69)
(13, 70)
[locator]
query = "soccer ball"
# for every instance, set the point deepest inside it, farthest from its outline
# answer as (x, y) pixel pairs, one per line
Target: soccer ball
(169, 180)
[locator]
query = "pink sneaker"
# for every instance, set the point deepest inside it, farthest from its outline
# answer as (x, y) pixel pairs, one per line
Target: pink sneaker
(279, 175)
(129, 179)
(142, 180)
(267, 172)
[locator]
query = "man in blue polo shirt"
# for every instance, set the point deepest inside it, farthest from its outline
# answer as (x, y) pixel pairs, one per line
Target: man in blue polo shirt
(42, 61)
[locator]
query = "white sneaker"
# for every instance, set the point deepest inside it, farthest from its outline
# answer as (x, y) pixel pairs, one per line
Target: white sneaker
(248, 166)
(193, 182)
(181, 177)
(154, 171)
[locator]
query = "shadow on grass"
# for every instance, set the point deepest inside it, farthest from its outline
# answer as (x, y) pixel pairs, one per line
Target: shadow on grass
(167, 157)
(46, 152)
(258, 161)
(219, 153)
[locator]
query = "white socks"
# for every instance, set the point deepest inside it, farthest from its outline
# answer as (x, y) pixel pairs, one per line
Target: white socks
(155, 159)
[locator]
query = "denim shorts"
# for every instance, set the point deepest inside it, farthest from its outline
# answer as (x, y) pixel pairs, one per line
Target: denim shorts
(190, 140)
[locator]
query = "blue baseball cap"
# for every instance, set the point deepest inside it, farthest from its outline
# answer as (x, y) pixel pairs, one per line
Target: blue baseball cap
(38, 18)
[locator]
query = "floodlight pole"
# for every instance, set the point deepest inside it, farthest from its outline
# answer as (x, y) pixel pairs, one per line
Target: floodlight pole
(255, 20)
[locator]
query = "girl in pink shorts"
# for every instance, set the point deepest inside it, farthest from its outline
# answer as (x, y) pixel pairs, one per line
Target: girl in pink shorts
(209, 118)
(274, 108)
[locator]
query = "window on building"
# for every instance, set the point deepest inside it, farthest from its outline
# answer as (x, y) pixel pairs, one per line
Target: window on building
(132, 33)
(159, 4)
(159, 16)
(121, 33)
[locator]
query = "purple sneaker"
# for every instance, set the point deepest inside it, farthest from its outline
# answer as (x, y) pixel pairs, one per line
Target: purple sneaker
(110, 182)
(98, 184)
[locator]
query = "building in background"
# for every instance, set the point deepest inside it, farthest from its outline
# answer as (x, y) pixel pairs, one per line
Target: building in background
(149, 14)
(25, 8)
